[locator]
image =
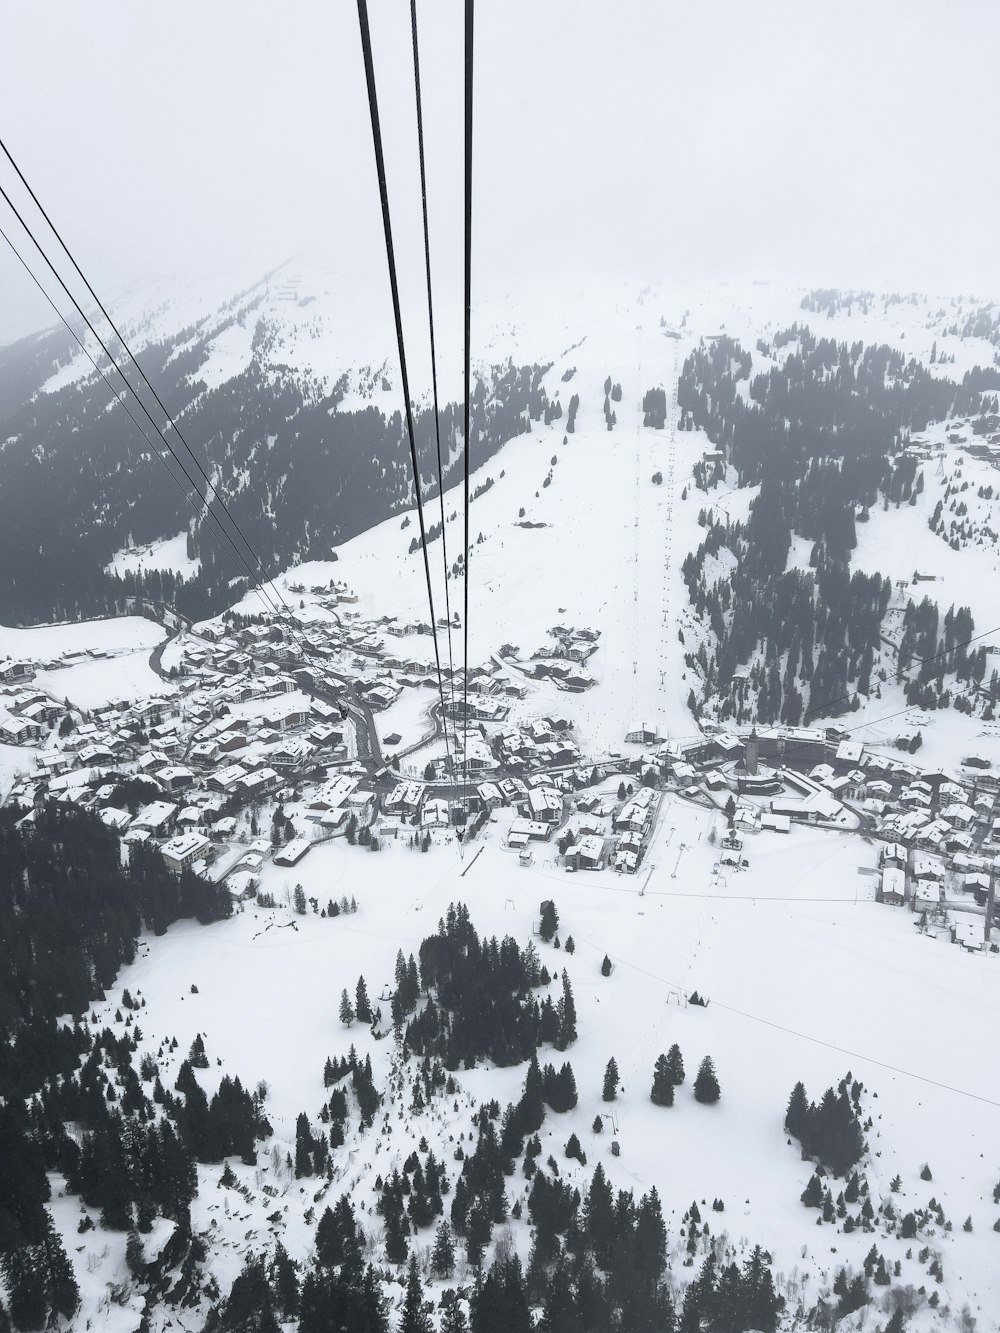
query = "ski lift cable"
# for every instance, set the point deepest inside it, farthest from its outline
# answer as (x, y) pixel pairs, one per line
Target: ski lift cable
(189, 495)
(816, 1041)
(80, 311)
(145, 379)
(434, 380)
(469, 45)
(366, 44)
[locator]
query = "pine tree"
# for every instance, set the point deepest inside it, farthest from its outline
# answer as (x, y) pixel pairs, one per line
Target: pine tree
(812, 1195)
(611, 1081)
(396, 1248)
(566, 1016)
(362, 1005)
(706, 1085)
(675, 1065)
(549, 923)
(346, 1009)
(299, 900)
(662, 1093)
(443, 1254)
(24, 1273)
(414, 1319)
(453, 1318)
(606, 967)
(63, 1291)
(796, 1117)
(135, 1258)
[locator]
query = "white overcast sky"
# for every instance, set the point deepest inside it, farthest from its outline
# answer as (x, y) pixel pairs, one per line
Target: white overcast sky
(827, 143)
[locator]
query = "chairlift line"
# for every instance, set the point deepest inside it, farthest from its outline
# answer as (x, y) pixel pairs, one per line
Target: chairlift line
(145, 379)
(104, 348)
(366, 46)
(470, 10)
(189, 495)
(434, 380)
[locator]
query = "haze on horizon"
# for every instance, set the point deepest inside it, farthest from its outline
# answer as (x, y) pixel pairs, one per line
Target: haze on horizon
(824, 144)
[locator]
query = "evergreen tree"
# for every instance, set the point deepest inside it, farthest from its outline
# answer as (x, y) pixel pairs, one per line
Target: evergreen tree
(706, 1085)
(675, 1065)
(396, 1248)
(549, 923)
(414, 1319)
(197, 1056)
(662, 1093)
(443, 1254)
(606, 966)
(346, 1009)
(611, 1081)
(453, 1318)
(798, 1111)
(24, 1274)
(566, 1015)
(362, 1005)
(812, 1195)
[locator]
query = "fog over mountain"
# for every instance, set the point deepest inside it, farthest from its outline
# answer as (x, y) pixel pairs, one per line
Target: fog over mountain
(828, 143)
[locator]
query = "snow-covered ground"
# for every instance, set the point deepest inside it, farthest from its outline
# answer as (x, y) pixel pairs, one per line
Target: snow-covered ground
(806, 975)
(124, 677)
(46, 643)
(171, 553)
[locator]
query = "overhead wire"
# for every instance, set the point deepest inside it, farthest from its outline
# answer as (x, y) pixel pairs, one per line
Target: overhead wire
(148, 415)
(145, 379)
(189, 495)
(434, 380)
(469, 51)
(366, 46)
(803, 1036)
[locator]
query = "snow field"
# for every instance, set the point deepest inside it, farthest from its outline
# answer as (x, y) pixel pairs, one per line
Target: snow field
(793, 954)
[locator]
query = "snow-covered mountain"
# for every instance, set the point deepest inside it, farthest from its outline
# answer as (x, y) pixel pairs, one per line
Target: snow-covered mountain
(645, 470)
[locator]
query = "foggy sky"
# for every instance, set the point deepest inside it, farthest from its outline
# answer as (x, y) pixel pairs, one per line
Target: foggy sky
(827, 143)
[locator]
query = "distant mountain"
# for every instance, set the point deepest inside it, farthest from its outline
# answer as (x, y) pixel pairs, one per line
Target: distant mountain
(287, 405)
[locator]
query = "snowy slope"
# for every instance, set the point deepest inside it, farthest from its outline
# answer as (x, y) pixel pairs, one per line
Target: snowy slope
(807, 977)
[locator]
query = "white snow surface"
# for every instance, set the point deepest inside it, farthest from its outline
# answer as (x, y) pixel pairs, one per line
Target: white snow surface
(806, 975)
(168, 554)
(46, 643)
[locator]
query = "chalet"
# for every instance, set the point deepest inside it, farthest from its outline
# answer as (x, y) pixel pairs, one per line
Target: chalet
(776, 823)
(16, 670)
(626, 862)
(523, 830)
(490, 795)
(175, 776)
(259, 783)
(226, 779)
(158, 817)
(287, 716)
(292, 852)
(892, 885)
(971, 935)
(892, 854)
(405, 798)
(181, 852)
(544, 805)
(18, 730)
(435, 814)
(636, 811)
(587, 853)
(118, 820)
